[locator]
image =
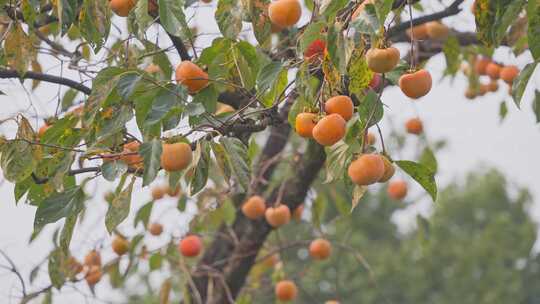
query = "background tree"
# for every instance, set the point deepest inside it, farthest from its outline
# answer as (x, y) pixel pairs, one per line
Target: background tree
(475, 248)
(133, 123)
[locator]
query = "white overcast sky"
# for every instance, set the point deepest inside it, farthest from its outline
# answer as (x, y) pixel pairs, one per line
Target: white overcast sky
(472, 128)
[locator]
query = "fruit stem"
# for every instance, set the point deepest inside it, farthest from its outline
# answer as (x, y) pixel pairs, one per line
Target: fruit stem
(412, 34)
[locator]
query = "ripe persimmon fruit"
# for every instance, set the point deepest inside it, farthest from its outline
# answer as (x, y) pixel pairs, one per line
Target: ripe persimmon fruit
(285, 13)
(92, 258)
(254, 207)
(414, 126)
(470, 93)
(375, 81)
(415, 84)
(437, 30)
(480, 65)
(286, 290)
(320, 249)
(329, 130)
(74, 266)
(509, 73)
(131, 154)
(152, 68)
(389, 170)
(382, 60)
(271, 261)
(370, 139)
(43, 129)
(493, 86)
(158, 192)
(304, 124)
(190, 246)
(192, 76)
(397, 189)
(120, 245)
(278, 216)
(315, 49)
(224, 108)
(341, 105)
(176, 157)
(155, 229)
(418, 32)
(93, 275)
(366, 169)
(173, 192)
(122, 7)
(493, 70)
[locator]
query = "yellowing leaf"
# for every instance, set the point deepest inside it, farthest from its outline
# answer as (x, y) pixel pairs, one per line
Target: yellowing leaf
(18, 49)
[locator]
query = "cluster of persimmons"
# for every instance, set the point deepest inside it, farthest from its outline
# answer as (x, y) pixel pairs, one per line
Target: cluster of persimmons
(493, 71)
(326, 127)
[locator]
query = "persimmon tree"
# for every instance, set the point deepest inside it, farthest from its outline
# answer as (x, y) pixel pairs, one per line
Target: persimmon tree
(286, 101)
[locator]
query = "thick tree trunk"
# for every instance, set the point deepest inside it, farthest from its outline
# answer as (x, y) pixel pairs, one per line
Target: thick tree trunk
(222, 271)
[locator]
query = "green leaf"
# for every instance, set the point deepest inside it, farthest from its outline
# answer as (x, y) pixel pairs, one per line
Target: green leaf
(112, 169)
(67, 232)
(56, 267)
(69, 97)
(143, 214)
(173, 19)
(336, 47)
(503, 110)
(422, 174)
(262, 27)
(338, 158)
(155, 261)
(358, 193)
(536, 105)
(370, 110)
(200, 174)
(268, 75)
(533, 34)
(382, 9)
(236, 153)
(367, 21)
(221, 160)
(29, 13)
(96, 22)
(247, 62)
(208, 98)
(17, 161)
(312, 32)
(151, 153)
(143, 19)
(271, 82)
(318, 210)
(428, 159)
(67, 13)
(509, 15)
(520, 83)
(58, 206)
(18, 49)
(119, 207)
(127, 83)
(452, 51)
(229, 18)
(21, 188)
(111, 126)
(330, 11)
(359, 73)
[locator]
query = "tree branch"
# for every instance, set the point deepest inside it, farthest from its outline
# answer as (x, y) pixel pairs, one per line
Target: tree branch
(451, 10)
(46, 77)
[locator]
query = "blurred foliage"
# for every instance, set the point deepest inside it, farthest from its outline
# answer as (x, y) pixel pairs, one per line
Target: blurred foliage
(474, 248)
